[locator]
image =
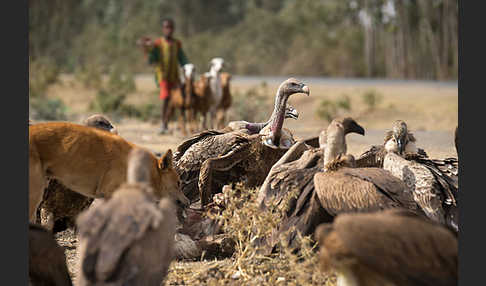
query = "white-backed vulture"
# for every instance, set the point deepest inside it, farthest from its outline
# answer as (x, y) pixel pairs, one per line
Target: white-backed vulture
(128, 239)
(60, 205)
(434, 184)
(211, 159)
(294, 172)
(254, 128)
(398, 140)
(47, 262)
(391, 247)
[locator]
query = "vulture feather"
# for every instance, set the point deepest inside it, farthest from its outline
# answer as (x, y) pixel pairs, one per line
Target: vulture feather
(391, 247)
(434, 184)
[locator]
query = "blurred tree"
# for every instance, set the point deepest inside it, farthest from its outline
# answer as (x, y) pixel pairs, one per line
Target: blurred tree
(372, 38)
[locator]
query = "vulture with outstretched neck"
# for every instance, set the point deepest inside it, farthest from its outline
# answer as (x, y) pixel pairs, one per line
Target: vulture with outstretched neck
(343, 188)
(128, 239)
(211, 159)
(294, 172)
(254, 128)
(391, 247)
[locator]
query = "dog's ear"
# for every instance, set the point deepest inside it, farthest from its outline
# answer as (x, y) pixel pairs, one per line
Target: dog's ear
(166, 161)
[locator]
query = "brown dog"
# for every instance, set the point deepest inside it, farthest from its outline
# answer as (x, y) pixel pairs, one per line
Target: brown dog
(89, 161)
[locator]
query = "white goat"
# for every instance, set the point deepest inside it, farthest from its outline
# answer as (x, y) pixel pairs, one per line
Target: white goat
(216, 66)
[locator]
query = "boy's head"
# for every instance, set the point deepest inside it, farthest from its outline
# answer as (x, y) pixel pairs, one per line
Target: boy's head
(168, 27)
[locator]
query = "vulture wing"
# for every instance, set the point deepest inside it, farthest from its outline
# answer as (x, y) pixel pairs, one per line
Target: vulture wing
(372, 158)
(361, 190)
(428, 192)
(192, 153)
(408, 249)
(181, 149)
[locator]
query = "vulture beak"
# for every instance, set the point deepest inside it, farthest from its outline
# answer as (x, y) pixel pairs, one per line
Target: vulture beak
(360, 130)
(356, 128)
(294, 114)
(305, 89)
(401, 147)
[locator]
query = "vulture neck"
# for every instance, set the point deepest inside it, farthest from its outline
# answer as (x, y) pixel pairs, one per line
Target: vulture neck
(278, 116)
(336, 144)
(255, 128)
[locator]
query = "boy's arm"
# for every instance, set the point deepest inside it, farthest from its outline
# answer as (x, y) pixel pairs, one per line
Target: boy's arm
(154, 52)
(181, 56)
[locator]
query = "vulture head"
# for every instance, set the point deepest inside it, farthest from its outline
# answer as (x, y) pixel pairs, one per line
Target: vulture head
(291, 86)
(400, 135)
(350, 126)
(285, 90)
(291, 112)
(336, 137)
(101, 122)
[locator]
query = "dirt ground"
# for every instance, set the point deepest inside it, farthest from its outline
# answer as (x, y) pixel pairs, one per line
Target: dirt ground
(429, 109)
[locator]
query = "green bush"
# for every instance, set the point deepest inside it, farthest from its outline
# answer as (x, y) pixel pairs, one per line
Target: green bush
(329, 109)
(252, 105)
(42, 73)
(107, 102)
(47, 109)
(110, 98)
(371, 98)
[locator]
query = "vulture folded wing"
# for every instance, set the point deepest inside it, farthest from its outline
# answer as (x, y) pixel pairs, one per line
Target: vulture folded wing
(182, 148)
(427, 192)
(409, 250)
(313, 142)
(446, 172)
(292, 177)
(372, 158)
(361, 190)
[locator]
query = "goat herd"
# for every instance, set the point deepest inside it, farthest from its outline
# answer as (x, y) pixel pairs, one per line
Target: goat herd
(208, 97)
(387, 217)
